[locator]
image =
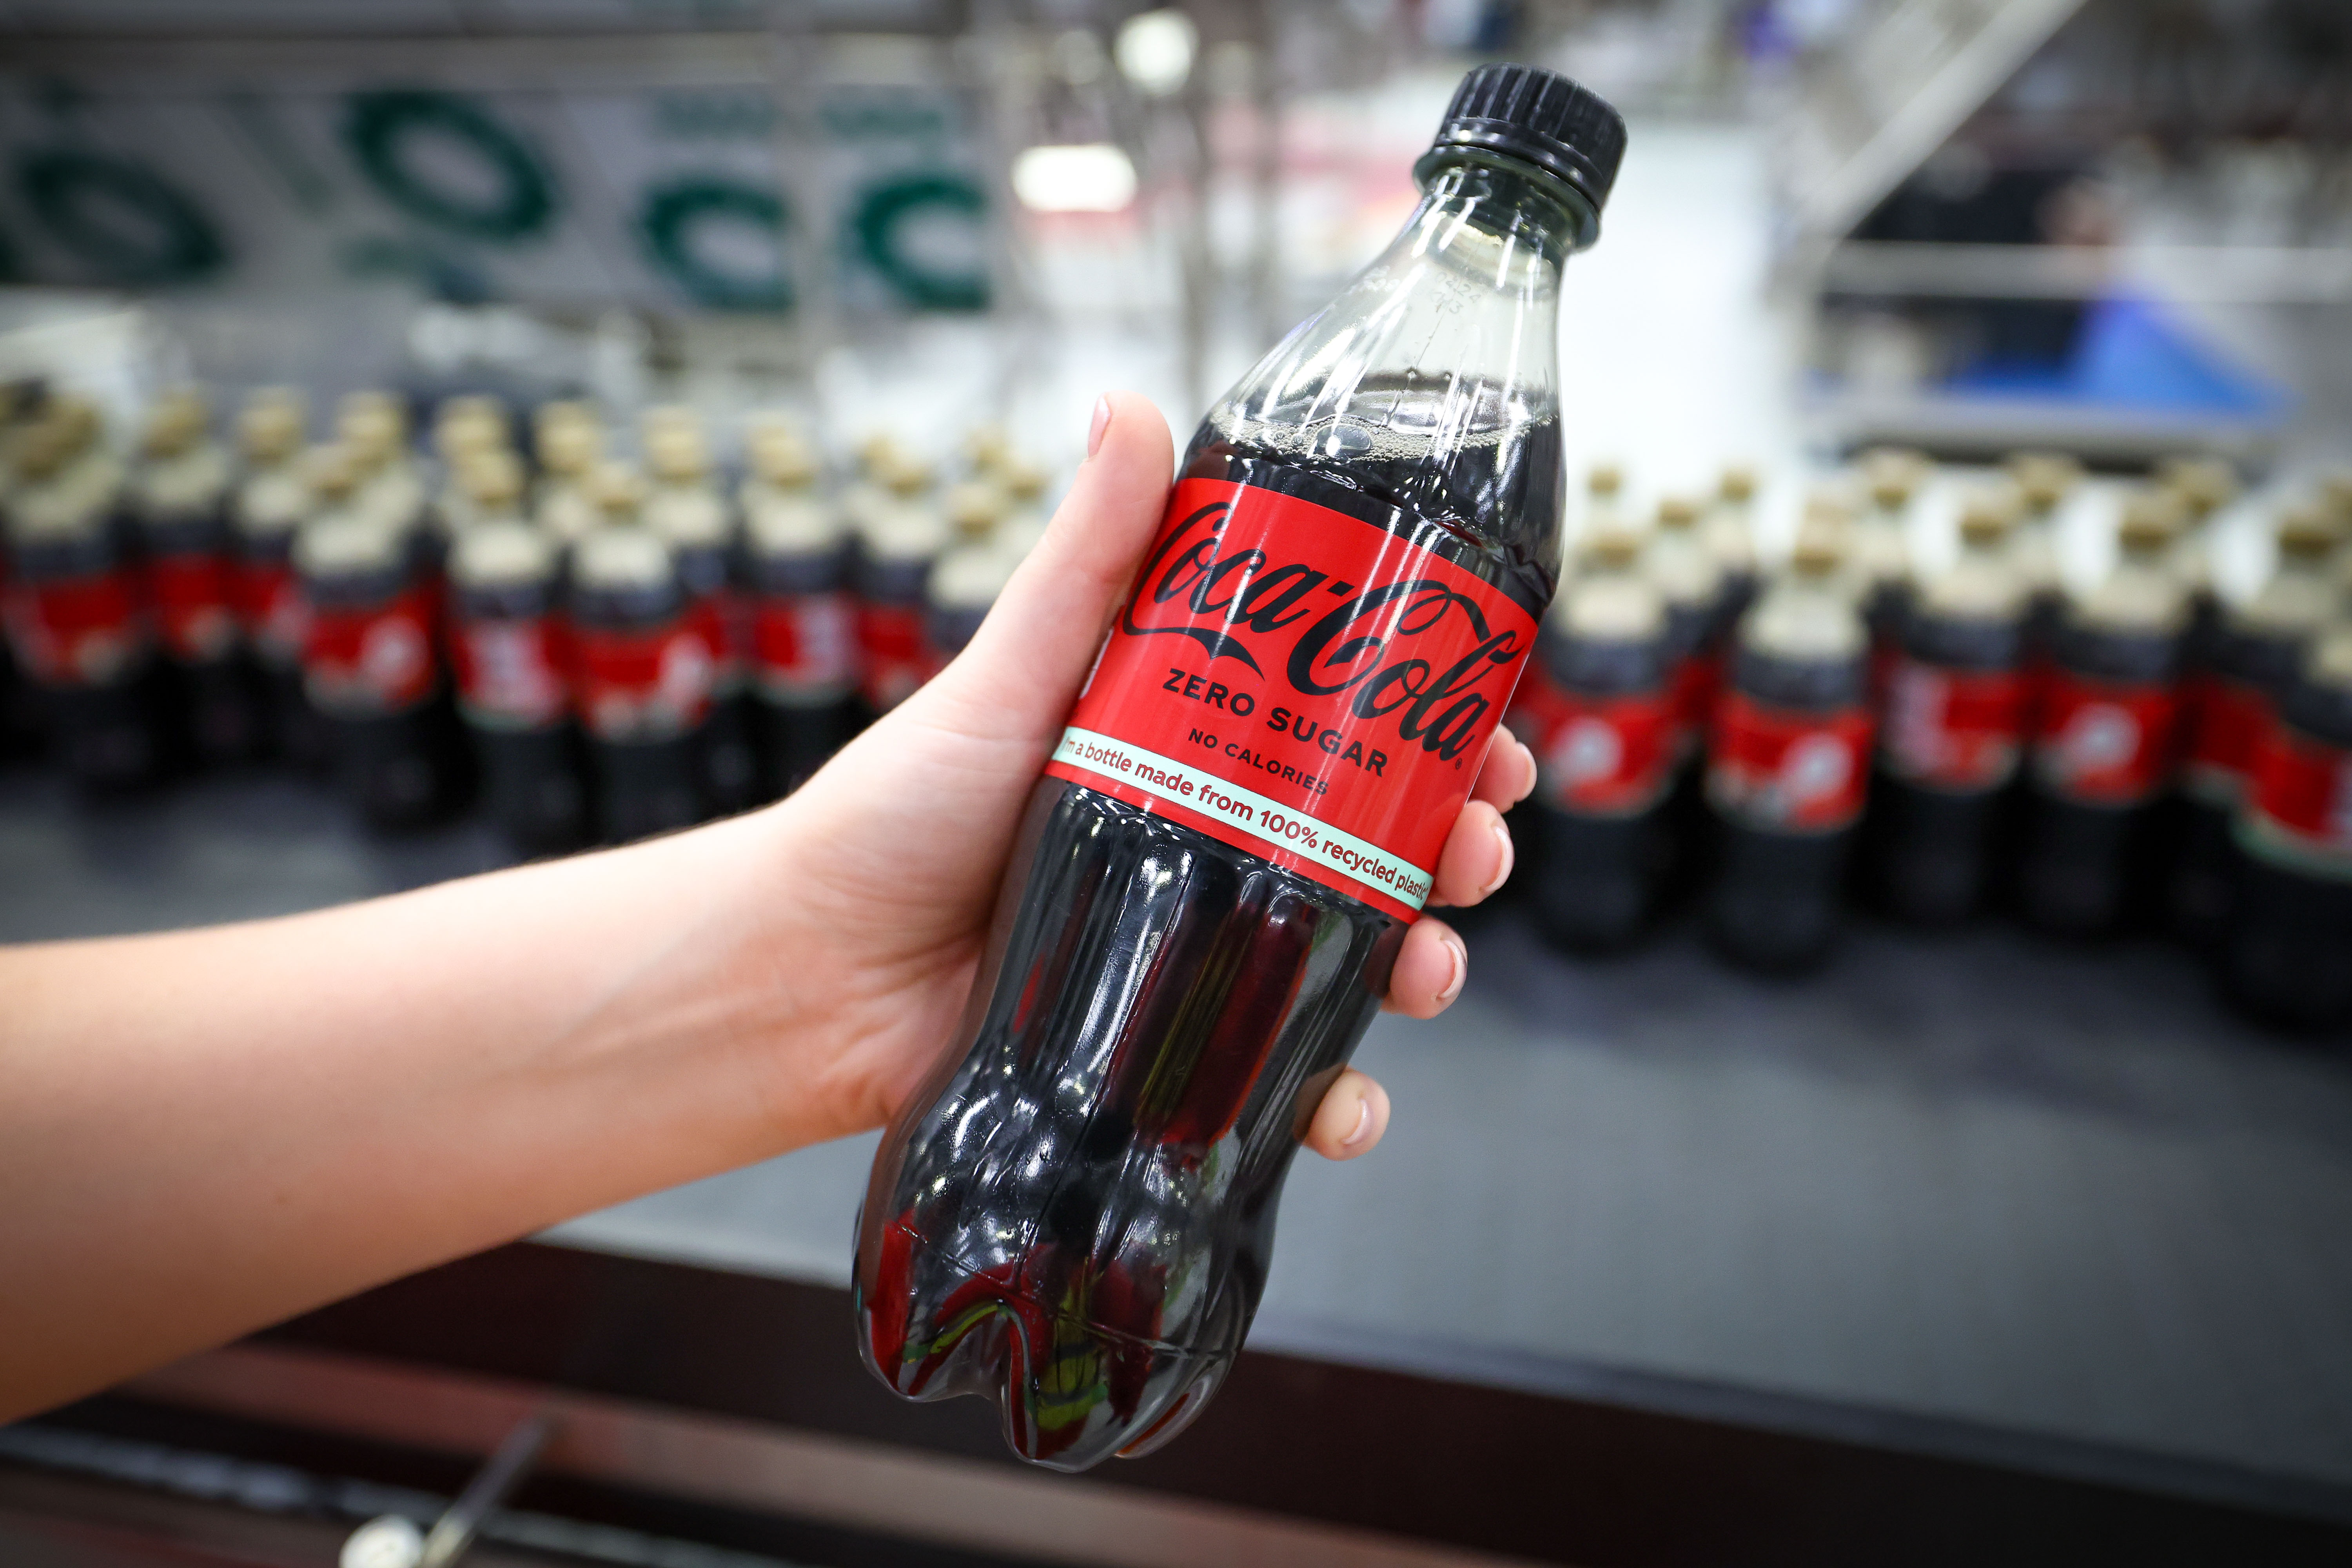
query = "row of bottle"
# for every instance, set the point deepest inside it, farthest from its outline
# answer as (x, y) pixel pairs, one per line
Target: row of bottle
(612, 653)
(1936, 742)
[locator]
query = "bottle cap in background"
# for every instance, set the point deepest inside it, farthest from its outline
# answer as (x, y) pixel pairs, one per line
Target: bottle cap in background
(1535, 118)
(2309, 536)
(493, 479)
(1818, 552)
(987, 449)
(348, 545)
(617, 492)
(779, 455)
(1023, 481)
(677, 453)
(332, 474)
(618, 559)
(2149, 525)
(1610, 547)
(502, 555)
(1738, 484)
(269, 427)
(973, 507)
(2206, 484)
(1987, 519)
(1603, 479)
(569, 448)
(2044, 479)
(1677, 514)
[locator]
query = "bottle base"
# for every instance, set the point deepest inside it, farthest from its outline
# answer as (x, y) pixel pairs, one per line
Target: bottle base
(1071, 1391)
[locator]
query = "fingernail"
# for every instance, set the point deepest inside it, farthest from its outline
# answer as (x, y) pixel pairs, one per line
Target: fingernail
(1101, 423)
(1459, 956)
(1363, 1125)
(1503, 871)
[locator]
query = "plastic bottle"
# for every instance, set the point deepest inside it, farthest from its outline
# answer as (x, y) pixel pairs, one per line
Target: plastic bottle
(74, 621)
(371, 667)
(1953, 732)
(686, 509)
(1072, 1216)
(1730, 531)
(179, 498)
(1789, 765)
(902, 533)
(508, 640)
(804, 617)
(1880, 563)
(2105, 734)
(2287, 953)
(644, 667)
(571, 447)
(1600, 708)
(2248, 656)
(970, 573)
(1689, 579)
(267, 509)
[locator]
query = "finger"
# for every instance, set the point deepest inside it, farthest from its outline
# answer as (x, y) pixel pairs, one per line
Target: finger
(1508, 773)
(1431, 967)
(1478, 856)
(1024, 667)
(1349, 1122)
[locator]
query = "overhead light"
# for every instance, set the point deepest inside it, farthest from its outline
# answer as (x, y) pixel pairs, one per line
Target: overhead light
(1155, 50)
(1088, 177)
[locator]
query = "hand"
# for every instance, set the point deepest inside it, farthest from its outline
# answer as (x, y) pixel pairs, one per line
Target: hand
(895, 850)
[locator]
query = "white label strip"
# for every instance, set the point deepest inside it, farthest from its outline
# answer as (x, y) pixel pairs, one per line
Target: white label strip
(1283, 826)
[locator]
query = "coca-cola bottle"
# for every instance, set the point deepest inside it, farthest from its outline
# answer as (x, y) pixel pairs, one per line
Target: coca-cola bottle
(804, 625)
(686, 511)
(179, 503)
(370, 663)
(1953, 732)
(1689, 579)
(571, 449)
(1788, 764)
(74, 620)
(643, 666)
(969, 574)
(1072, 1215)
(900, 532)
(1731, 532)
(2105, 728)
(508, 641)
(1881, 564)
(2287, 956)
(2248, 659)
(1598, 708)
(272, 499)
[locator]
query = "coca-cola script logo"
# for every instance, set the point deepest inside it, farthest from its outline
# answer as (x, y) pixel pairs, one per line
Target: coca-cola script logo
(1233, 602)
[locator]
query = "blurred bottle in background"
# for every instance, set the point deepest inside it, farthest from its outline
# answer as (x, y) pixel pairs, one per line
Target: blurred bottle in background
(178, 501)
(370, 663)
(899, 536)
(2105, 733)
(1954, 729)
(804, 617)
(74, 621)
(1598, 708)
(685, 509)
(970, 573)
(2248, 659)
(644, 667)
(508, 641)
(2287, 954)
(271, 500)
(1789, 765)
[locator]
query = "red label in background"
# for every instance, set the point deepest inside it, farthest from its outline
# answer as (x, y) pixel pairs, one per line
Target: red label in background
(194, 596)
(1303, 685)
(714, 616)
(2301, 798)
(1609, 756)
(2104, 742)
(644, 686)
(270, 606)
(1698, 681)
(1954, 729)
(806, 646)
(893, 652)
(1786, 769)
(79, 631)
(2229, 721)
(372, 661)
(511, 673)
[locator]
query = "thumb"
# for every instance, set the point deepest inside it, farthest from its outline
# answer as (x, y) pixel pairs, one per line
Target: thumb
(1019, 675)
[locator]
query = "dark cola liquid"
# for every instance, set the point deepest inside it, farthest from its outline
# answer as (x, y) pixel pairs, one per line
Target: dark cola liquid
(1074, 1216)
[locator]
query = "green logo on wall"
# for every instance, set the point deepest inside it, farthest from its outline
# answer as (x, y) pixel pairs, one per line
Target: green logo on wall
(411, 144)
(684, 223)
(121, 219)
(876, 225)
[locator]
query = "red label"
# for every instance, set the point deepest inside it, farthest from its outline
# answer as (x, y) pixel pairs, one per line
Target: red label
(2303, 793)
(375, 659)
(1698, 680)
(511, 672)
(269, 603)
(1302, 685)
(194, 594)
(79, 631)
(1786, 769)
(648, 684)
(2230, 719)
(1600, 756)
(893, 652)
(1954, 729)
(2104, 742)
(714, 616)
(806, 647)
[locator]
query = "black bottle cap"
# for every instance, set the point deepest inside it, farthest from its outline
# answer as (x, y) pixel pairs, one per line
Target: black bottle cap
(1535, 117)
